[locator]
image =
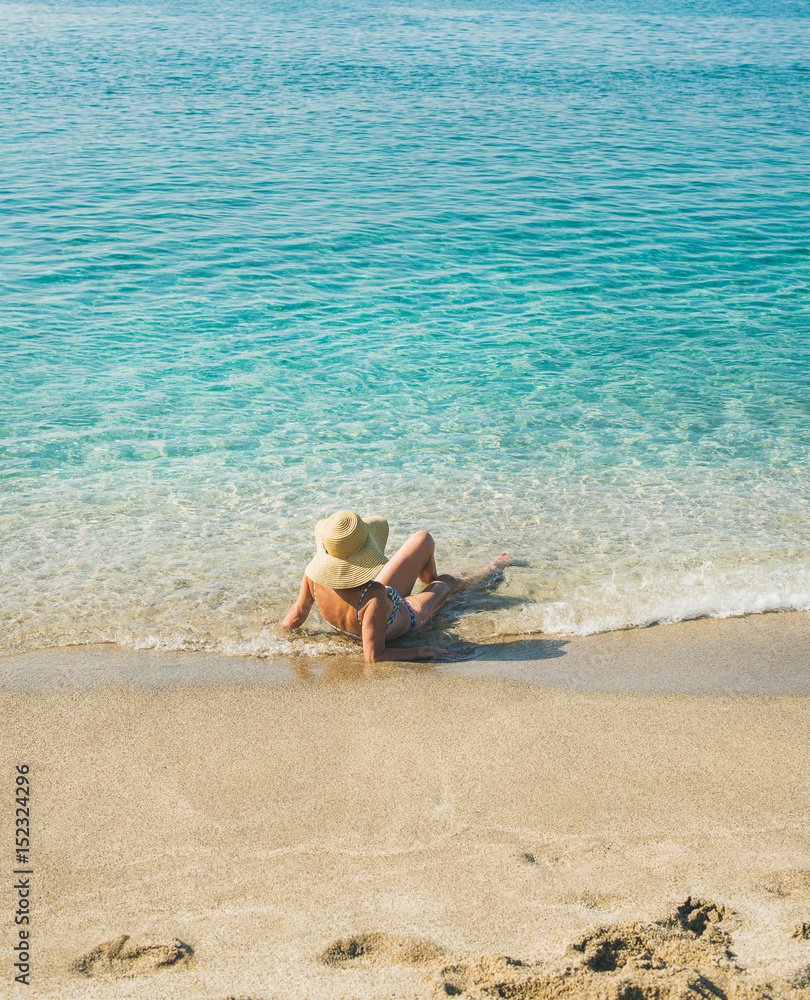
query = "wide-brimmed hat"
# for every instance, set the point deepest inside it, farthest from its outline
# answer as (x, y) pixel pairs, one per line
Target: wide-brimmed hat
(350, 550)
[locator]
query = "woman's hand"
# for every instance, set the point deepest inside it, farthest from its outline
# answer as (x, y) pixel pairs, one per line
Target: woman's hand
(293, 619)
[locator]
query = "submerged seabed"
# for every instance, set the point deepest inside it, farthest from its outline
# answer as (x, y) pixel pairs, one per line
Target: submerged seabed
(534, 277)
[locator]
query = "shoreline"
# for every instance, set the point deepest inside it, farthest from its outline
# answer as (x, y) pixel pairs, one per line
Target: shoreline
(757, 654)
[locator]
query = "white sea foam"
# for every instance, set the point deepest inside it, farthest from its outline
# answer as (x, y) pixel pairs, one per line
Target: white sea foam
(258, 645)
(606, 605)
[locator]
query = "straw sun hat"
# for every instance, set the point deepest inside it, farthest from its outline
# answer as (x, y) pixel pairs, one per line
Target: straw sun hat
(350, 551)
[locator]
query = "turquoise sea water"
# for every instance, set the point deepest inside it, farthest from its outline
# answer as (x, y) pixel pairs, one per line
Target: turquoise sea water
(531, 275)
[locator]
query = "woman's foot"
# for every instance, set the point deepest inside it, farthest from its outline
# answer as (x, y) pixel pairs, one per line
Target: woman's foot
(492, 568)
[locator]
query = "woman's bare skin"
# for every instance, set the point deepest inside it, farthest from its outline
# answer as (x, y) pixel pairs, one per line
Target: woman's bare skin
(415, 560)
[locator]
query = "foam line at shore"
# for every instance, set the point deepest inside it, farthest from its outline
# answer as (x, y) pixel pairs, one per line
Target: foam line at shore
(754, 654)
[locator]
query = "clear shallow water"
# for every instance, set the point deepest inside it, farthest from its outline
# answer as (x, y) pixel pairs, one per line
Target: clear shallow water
(532, 276)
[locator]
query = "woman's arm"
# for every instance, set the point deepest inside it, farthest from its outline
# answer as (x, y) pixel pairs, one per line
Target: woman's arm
(299, 612)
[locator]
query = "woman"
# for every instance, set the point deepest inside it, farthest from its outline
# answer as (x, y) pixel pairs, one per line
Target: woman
(360, 593)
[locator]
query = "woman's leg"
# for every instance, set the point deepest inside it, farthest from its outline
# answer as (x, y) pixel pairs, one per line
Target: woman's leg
(415, 560)
(429, 600)
(411, 562)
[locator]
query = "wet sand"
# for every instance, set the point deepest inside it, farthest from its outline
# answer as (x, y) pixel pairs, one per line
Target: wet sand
(758, 654)
(397, 836)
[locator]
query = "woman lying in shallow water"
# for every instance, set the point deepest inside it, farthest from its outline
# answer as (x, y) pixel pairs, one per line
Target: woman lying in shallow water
(360, 593)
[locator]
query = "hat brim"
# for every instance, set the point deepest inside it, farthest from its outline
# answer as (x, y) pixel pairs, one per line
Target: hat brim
(356, 569)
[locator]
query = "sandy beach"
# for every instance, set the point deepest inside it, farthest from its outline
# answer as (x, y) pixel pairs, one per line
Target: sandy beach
(401, 835)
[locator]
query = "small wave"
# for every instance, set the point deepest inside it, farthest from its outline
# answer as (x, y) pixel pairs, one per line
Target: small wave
(708, 593)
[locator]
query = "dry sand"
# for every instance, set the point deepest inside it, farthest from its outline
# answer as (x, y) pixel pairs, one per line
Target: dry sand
(420, 833)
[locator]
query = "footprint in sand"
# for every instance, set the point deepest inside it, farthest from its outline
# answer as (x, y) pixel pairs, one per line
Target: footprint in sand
(485, 975)
(126, 956)
(699, 916)
(384, 949)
